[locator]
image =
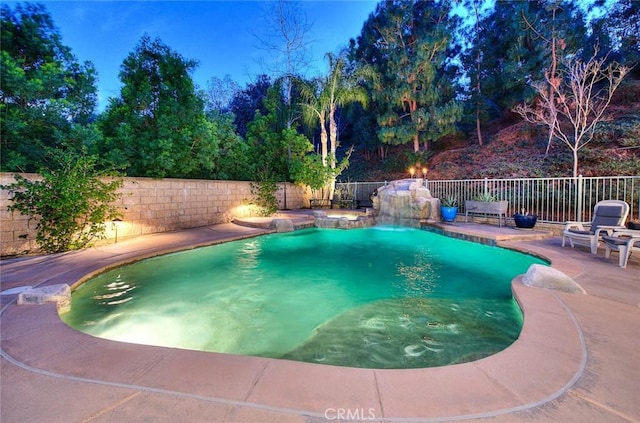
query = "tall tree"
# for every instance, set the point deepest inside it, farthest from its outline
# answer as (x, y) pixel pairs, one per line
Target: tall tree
(518, 41)
(478, 59)
(220, 93)
(581, 95)
(273, 147)
(45, 93)
(287, 41)
(406, 43)
(618, 31)
(246, 102)
(314, 112)
(157, 127)
(471, 57)
(508, 55)
(361, 126)
(343, 88)
(553, 17)
(232, 161)
(322, 99)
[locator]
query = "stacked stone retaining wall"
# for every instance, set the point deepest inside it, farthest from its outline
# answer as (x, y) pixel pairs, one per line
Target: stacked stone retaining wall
(154, 205)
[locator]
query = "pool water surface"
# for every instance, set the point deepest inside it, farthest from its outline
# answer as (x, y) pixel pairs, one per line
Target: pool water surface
(380, 297)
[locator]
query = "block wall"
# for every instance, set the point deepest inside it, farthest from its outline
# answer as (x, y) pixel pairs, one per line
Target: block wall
(154, 205)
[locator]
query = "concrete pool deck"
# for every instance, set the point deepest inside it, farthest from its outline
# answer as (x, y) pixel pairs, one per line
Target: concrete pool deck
(576, 360)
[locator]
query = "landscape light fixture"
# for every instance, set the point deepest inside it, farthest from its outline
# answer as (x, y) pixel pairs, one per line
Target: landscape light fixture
(114, 225)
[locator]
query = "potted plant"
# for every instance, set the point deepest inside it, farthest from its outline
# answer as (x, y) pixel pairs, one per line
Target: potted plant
(449, 208)
(634, 224)
(525, 220)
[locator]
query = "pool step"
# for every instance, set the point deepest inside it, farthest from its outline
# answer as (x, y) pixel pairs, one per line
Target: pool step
(485, 234)
(266, 222)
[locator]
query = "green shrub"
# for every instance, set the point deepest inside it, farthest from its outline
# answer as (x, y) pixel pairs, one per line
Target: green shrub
(624, 131)
(71, 203)
(264, 193)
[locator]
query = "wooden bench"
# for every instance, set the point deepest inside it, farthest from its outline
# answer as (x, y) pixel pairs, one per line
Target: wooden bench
(320, 202)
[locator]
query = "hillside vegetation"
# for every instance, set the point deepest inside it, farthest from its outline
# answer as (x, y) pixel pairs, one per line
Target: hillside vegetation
(515, 149)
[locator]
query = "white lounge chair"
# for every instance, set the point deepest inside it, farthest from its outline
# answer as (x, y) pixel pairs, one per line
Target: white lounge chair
(607, 216)
(624, 242)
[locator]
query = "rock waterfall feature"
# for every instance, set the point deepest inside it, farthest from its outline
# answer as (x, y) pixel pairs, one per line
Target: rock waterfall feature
(406, 202)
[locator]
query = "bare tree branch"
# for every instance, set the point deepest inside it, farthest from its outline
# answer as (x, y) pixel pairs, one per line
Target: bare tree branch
(582, 93)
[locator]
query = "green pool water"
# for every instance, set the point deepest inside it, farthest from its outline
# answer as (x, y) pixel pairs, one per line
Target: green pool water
(381, 297)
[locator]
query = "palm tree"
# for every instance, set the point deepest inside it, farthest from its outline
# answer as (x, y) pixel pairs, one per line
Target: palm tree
(314, 111)
(322, 99)
(343, 88)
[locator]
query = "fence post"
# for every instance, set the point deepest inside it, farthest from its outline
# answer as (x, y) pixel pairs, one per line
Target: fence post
(579, 199)
(486, 186)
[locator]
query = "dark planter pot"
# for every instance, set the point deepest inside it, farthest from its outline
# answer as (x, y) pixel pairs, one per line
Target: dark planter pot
(633, 225)
(448, 213)
(525, 221)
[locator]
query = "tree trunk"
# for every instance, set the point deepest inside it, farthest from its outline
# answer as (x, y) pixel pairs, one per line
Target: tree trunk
(332, 187)
(333, 136)
(333, 139)
(552, 96)
(478, 67)
(413, 106)
(554, 79)
(323, 143)
(478, 93)
(478, 129)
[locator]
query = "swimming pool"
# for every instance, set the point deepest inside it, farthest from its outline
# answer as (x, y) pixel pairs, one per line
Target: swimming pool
(380, 297)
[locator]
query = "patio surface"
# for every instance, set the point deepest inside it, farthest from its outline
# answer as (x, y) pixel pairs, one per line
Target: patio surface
(576, 359)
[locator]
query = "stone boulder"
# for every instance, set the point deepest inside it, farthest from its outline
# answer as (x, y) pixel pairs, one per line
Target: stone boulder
(326, 222)
(281, 225)
(547, 277)
(59, 294)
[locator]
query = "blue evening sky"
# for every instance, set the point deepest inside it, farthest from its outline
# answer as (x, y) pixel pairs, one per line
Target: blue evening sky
(220, 35)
